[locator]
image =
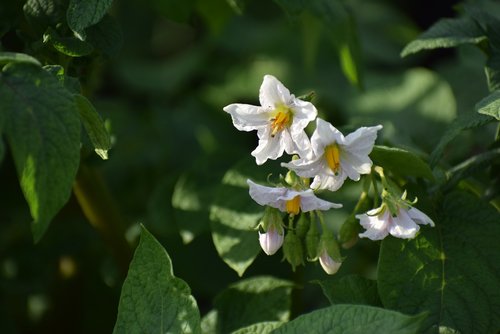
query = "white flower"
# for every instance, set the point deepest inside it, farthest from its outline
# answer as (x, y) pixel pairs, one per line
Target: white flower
(329, 265)
(336, 157)
(271, 240)
(288, 200)
(380, 222)
(280, 121)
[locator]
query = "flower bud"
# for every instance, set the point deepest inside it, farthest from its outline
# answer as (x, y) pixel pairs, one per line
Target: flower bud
(329, 265)
(292, 250)
(329, 258)
(349, 232)
(273, 233)
(271, 240)
(302, 226)
(312, 241)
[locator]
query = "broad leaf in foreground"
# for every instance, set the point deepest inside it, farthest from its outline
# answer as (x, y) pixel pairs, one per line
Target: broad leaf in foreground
(253, 300)
(153, 300)
(43, 131)
(351, 289)
(400, 162)
(452, 271)
(490, 105)
(352, 319)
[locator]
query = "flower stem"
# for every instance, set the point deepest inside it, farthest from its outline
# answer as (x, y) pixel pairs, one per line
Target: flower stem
(100, 210)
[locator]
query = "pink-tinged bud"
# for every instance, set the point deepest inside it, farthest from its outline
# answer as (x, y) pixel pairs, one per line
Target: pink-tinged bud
(329, 265)
(271, 240)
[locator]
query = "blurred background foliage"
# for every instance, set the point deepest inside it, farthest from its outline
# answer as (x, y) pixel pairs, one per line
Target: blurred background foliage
(162, 96)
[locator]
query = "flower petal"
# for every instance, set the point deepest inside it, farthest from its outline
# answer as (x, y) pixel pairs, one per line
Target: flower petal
(302, 144)
(329, 265)
(329, 181)
(361, 141)
(403, 226)
(306, 168)
(422, 218)
(375, 225)
(309, 202)
(303, 113)
(324, 135)
(355, 165)
(265, 195)
(247, 117)
(273, 92)
(269, 148)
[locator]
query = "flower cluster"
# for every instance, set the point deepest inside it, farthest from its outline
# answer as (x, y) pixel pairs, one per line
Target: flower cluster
(328, 158)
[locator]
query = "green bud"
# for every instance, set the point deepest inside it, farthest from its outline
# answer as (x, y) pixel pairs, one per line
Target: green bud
(272, 217)
(329, 243)
(292, 250)
(302, 226)
(312, 241)
(349, 232)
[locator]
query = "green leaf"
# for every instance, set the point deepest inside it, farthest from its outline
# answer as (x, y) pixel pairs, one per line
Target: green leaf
(492, 69)
(450, 270)
(490, 105)
(352, 319)
(70, 46)
(43, 131)
(106, 36)
(44, 13)
(14, 57)
(94, 126)
(82, 14)
(352, 289)
(447, 33)
(153, 300)
(234, 215)
(253, 300)
(463, 122)
(400, 162)
(265, 327)
(72, 84)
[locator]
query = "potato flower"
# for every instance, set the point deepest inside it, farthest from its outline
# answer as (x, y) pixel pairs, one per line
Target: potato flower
(336, 157)
(280, 121)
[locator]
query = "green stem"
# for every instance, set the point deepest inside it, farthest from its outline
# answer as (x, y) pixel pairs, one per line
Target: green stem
(99, 208)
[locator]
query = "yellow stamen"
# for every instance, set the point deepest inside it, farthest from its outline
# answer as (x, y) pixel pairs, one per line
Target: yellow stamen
(293, 205)
(282, 119)
(332, 155)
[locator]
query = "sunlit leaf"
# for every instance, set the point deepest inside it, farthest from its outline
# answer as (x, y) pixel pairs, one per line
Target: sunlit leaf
(447, 33)
(94, 126)
(265, 327)
(253, 300)
(70, 46)
(400, 161)
(490, 105)
(153, 300)
(82, 14)
(43, 131)
(353, 319)
(234, 216)
(450, 270)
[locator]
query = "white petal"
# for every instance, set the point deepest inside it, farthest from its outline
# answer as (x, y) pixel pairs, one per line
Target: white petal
(303, 113)
(265, 195)
(354, 165)
(362, 140)
(268, 148)
(422, 218)
(272, 92)
(306, 168)
(271, 240)
(247, 117)
(302, 144)
(328, 264)
(324, 135)
(286, 141)
(403, 226)
(309, 202)
(329, 181)
(375, 225)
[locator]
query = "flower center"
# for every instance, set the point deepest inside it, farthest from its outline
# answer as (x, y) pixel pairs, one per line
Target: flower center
(293, 205)
(332, 155)
(282, 118)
